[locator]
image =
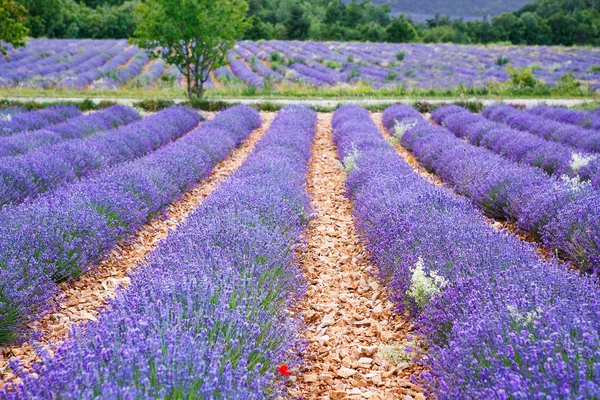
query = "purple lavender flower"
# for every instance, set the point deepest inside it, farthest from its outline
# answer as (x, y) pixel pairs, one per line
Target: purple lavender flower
(519, 146)
(29, 175)
(62, 234)
(28, 121)
(571, 135)
(508, 190)
(499, 322)
(207, 316)
(78, 127)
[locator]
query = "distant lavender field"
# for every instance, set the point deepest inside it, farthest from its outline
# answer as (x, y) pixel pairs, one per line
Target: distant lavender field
(113, 64)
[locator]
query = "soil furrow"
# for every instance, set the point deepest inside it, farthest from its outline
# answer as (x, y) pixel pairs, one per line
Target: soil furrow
(350, 322)
(82, 299)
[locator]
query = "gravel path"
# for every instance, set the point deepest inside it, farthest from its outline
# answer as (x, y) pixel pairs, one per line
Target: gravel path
(324, 102)
(83, 298)
(347, 313)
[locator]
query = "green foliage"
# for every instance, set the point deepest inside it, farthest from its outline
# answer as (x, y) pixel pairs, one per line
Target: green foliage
(522, 78)
(276, 57)
(594, 68)
(193, 35)
(12, 28)
(400, 56)
(471, 105)
(542, 22)
(249, 91)
(400, 30)
(355, 73)
(153, 105)
(333, 64)
(568, 83)
(502, 60)
(72, 19)
(85, 105)
(442, 34)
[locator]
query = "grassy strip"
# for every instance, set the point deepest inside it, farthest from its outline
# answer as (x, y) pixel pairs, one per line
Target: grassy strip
(296, 91)
(154, 105)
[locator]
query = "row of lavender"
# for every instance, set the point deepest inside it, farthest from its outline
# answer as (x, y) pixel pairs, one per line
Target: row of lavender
(14, 120)
(74, 128)
(576, 136)
(420, 66)
(585, 119)
(109, 64)
(570, 127)
(553, 157)
(500, 323)
(28, 175)
(65, 232)
(206, 317)
(563, 214)
(80, 64)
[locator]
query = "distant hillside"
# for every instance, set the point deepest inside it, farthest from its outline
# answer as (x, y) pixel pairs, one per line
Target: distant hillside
(454, 8)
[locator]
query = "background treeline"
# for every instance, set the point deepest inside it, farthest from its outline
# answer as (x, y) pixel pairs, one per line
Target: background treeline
(457, 8)
(98, 19)
(564, 22)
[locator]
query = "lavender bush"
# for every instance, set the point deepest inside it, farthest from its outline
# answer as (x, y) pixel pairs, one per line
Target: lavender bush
(519, 146)
(37, 172)
(540, 204)
(32, 120)
(60, 235)
(571, 135)
(585, 119)
(207, 316)
(109, 64)
(499, 322)
(7, 112)
(78, 127)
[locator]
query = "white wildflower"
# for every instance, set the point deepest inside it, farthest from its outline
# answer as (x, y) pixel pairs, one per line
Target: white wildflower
(350, 161)
(574, 184)
(579, 161)
(397, 352)
(401, 127)
(423, 287)
(526, 319)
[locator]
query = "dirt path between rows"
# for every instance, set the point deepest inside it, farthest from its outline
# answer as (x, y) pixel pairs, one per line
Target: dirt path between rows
(82, 299)
(346, 310)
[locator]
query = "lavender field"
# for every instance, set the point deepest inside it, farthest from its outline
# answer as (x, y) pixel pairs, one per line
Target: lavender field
(86, 65)
(294, 254)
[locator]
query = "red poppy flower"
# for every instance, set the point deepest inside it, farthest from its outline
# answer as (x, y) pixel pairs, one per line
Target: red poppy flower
(283, 370)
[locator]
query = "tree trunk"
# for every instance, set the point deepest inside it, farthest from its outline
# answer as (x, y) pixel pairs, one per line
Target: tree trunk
(189, 81)
(198, 88)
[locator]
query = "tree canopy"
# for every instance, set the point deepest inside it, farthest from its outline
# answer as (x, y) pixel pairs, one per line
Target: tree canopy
(12, 25)
(549, 22)
(193, 35)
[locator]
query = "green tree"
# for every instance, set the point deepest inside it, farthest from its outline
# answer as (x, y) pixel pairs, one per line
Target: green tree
(193, 35)
(42, 16)
(298, 24)
(400, 30)
(12, 25)
(372, 32)
(441, 34)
